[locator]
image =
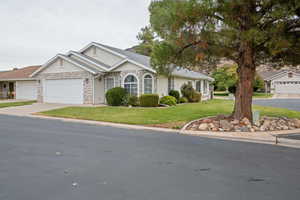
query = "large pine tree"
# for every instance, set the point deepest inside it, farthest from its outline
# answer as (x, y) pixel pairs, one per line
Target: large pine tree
(249, 32)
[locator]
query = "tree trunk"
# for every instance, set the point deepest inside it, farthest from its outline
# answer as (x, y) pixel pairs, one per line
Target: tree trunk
(244, 91)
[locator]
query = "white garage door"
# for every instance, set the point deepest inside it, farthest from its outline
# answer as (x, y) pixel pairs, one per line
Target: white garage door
(287, 87)
(26, 90)
(69, 91)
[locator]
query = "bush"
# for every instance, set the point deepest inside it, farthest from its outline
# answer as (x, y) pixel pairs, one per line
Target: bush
(187, 91)
(168, 100)
(149, 100)
(176, 94)
(196, 97)
(183, 100)
(116, 96)
(133, 101)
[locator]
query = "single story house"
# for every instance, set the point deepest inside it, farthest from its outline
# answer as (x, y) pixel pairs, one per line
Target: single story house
(17, 84)
(286, 82)
(83, 77)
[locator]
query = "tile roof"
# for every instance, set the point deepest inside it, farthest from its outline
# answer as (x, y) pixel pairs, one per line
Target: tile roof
(22, 73)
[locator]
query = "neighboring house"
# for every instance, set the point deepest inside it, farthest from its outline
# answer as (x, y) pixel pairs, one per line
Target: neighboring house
(17, 84)
(84, 77)
(285, 82)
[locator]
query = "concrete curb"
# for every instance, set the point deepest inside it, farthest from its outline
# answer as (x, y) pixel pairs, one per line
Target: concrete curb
(263, 137)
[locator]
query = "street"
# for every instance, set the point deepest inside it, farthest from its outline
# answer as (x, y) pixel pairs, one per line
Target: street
(49, 159)
(292, 104)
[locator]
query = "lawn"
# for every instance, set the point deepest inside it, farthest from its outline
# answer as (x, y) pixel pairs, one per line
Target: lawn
(171, 117)
(255, 95)
(13, 104)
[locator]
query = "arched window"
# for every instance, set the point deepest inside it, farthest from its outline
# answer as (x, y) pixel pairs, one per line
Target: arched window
(148, 84)
(131, 85)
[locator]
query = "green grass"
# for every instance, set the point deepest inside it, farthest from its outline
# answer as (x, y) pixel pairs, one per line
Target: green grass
(13, 104)
(171, 117)
(255, 95)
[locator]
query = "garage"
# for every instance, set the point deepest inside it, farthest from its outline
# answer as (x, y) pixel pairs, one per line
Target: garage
(287, 87)
(26, 90)
(67, 91)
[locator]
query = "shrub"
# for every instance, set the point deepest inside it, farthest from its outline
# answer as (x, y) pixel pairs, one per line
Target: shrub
(149, 100)
(133, 101)
(187, 91)
(168, 100)
(176, 94)
(196, 97)
(183, 100)
(116, 96)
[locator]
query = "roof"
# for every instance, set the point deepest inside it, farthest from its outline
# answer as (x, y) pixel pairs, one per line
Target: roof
(268, 75)
(95, 66)
(18, 74)
(145, 60)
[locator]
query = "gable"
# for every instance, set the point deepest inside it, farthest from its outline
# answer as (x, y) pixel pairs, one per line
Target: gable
(127, 66)
(102, 55)
(60, 66)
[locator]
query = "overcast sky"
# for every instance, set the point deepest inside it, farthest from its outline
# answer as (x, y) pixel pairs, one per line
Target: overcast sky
(33, 31)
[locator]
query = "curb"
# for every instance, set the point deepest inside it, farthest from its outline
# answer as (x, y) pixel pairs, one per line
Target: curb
(273, 139)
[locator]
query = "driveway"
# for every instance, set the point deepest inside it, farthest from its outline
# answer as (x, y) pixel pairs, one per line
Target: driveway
(292, 104)
(30, 109)
(53, 160)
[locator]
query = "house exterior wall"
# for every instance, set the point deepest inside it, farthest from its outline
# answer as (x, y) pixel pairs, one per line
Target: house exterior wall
(66, 71)
(284, 78)
(162, 86)
(103, 56)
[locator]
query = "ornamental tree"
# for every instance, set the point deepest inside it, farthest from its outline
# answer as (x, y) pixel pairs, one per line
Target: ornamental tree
(193, 33)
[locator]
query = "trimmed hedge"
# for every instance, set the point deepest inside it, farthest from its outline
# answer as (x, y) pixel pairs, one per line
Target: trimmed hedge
(176, 94)
(133, 101)
(168, 100)
(149, 100)
(196, 97)
(183, 100)
(116, 96)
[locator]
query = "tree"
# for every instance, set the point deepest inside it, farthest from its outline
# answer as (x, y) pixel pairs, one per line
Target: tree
(224, 77)
(248, 32)
(147, 40)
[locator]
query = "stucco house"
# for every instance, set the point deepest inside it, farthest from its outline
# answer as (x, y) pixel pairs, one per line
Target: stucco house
(282, 82)
(83, 77)
(17, 84)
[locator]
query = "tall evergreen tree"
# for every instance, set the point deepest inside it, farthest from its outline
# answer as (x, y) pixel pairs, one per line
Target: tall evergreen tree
(248, 32)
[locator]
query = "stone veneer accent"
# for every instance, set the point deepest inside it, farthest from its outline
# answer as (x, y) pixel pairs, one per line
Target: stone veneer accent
(87, 84)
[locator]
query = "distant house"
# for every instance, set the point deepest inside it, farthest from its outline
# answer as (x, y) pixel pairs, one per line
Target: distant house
(85, 76)
(282, 82)
(17, 84)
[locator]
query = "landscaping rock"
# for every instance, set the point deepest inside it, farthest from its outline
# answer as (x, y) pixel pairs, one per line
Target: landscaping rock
(223, 123)
(203, 127)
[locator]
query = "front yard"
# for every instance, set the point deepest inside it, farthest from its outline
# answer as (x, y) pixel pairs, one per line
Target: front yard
(255, 95)
(171, 117)
(13, 104)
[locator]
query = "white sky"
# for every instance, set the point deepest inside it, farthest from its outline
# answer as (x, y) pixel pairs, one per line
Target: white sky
(33, 31)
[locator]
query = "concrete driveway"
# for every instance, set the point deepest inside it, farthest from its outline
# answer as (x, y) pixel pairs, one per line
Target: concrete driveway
(292, 104)
(30, 109)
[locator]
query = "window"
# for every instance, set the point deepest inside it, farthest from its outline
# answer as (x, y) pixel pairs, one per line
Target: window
(148, 84)
(205, 87)
(170, 83)
(131, 85)
(109, 83)
(198, 86)
(290, 75)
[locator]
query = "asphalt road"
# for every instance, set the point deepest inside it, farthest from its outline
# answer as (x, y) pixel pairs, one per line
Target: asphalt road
(292, 104)
(40, 159)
